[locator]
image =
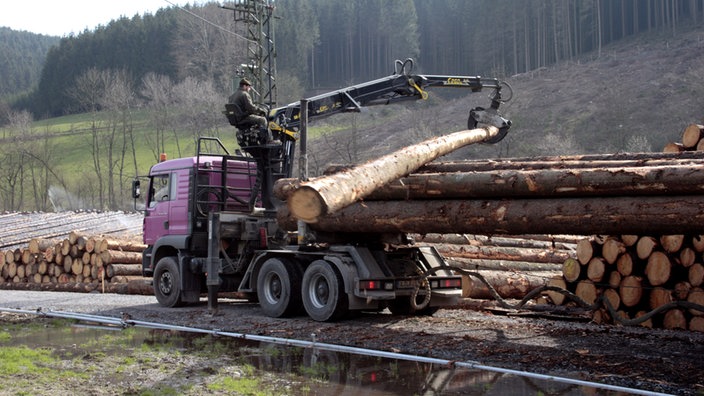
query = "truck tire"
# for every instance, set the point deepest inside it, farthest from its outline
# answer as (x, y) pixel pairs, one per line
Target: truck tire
(167, 283)
(324, 296)
(279, 288)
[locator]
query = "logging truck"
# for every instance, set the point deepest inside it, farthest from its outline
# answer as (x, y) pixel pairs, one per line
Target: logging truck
(210, 221)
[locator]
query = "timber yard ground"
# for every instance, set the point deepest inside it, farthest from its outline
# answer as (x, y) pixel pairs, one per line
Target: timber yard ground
(656, 360)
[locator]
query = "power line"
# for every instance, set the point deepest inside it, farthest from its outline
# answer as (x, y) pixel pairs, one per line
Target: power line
(207, 21)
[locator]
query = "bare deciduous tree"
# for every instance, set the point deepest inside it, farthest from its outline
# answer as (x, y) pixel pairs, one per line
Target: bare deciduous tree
(199, 108)
(212, 47)
(87, 90)
(158, 91)
(119, 100)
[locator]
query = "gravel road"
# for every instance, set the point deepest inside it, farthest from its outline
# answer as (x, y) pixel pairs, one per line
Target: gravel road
(650, 359)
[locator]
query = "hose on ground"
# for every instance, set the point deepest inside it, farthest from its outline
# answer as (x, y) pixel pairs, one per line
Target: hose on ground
(598, 303)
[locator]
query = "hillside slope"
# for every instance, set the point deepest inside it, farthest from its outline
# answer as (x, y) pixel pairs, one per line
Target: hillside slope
(22, 56)
(637, 96)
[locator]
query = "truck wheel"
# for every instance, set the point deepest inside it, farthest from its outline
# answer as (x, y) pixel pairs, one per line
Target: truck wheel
(167, 283)
(279, 288)
(324, 296)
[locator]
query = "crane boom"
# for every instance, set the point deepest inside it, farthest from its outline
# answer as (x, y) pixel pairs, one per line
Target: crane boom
(402, 85)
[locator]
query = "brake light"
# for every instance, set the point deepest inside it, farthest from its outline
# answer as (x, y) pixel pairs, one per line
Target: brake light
(450, 283)
(369, 285)
(376, 285)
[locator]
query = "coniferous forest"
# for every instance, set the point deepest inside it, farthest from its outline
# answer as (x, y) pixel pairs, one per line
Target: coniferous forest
(177, 67)
(324, 44)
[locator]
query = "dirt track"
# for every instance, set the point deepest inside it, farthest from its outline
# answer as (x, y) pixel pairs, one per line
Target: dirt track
(656, 360)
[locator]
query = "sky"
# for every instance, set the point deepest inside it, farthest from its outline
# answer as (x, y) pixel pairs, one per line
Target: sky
(63, 17)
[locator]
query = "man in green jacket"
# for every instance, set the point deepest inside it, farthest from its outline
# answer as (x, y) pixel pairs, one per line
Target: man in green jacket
(247, 113)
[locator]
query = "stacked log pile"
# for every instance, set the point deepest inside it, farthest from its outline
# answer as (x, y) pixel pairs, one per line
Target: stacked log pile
(692, 140)
(572, 195)
(76, 263)
(635, 194)
(639, 274)
(512, 265)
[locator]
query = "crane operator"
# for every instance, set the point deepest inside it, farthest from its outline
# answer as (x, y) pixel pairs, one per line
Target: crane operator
(247, 113)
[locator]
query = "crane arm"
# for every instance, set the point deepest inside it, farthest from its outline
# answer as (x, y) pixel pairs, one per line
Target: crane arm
(403, 85)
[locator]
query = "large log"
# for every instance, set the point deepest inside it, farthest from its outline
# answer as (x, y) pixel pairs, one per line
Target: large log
(671, 243)
(630, 291)
(582, 216)
(507, 284)
(143, 287)
(571, 270)
(39, 245)
(121, 257)
(501, 265)
(691, 135)
(585, 250)
(624, 264)
(612, 249)
(658, 268)
(596, 269)
(556, 297)
(696, 324)
(558, 182)
(523, 241)
(675, 319)
(659, 296)
(622, 160)
(696, 296)
(695, 274)
(503, 253)
(125, 245)
(122, 269)
(674, 147)
(645, 246)
(698, 243)
(687, 257)
(327, 194)
(586, 290)
(612, 296)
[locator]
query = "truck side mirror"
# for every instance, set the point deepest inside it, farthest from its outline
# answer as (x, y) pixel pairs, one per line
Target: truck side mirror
(136, 193)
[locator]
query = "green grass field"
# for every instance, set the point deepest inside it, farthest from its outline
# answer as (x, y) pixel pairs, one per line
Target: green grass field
(66, 144)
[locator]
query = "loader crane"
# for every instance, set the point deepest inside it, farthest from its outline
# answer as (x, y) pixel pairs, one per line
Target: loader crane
(210, 221)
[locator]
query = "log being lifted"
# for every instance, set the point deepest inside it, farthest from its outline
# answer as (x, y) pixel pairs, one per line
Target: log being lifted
(327, 194)
(580, 216)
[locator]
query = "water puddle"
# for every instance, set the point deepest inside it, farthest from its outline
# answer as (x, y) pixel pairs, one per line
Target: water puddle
(162, 362)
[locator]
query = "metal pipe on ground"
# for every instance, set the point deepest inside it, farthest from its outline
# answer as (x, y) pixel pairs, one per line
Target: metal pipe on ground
(328, 347)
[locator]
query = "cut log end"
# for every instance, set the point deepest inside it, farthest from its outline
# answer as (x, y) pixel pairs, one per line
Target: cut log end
(571, 270)
(306, 204)
(691, 135)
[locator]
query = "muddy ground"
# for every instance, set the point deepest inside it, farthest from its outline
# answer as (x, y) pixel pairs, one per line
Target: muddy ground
(658, 360)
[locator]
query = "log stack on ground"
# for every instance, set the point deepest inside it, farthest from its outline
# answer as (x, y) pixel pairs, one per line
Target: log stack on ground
(638, 274)
(622, 194)
(77, 262)
(512, 265)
